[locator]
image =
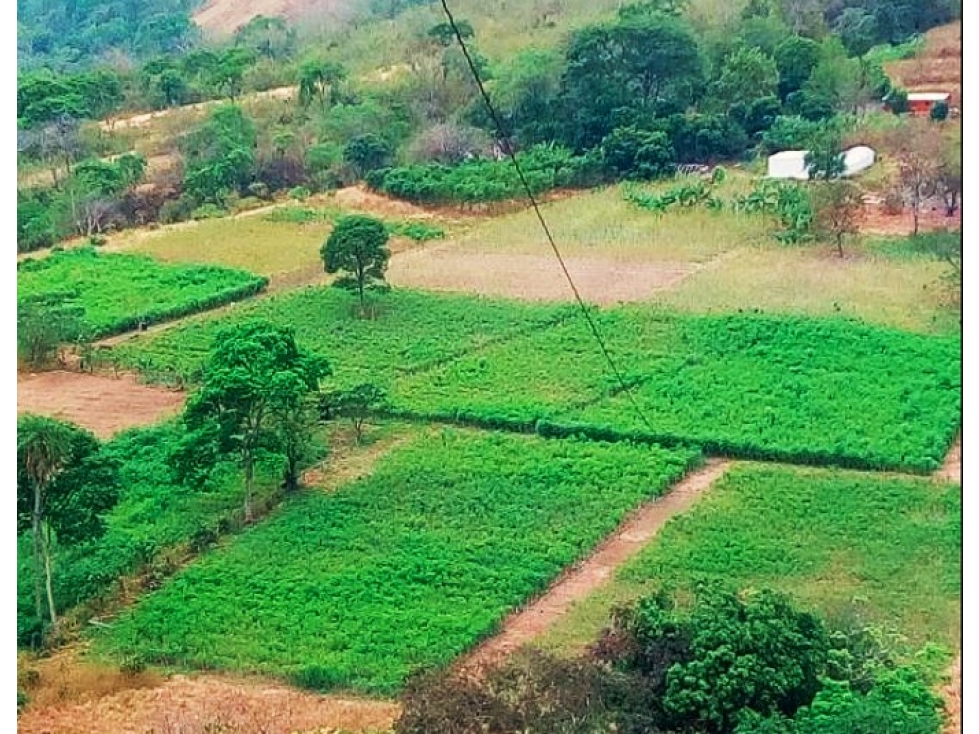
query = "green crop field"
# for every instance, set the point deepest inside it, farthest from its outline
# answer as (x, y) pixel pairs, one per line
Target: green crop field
(409, 331)
(408, 567)
(155, 513)
(799, 390)
(878, 549)
(828, 391)
(116, 291)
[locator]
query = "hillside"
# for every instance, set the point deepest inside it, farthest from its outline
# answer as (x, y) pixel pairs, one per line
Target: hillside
(222, 17)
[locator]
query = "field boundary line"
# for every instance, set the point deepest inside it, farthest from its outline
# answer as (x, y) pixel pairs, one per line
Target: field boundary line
(581, 579)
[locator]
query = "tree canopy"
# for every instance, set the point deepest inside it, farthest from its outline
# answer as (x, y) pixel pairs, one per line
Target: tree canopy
(357, 248)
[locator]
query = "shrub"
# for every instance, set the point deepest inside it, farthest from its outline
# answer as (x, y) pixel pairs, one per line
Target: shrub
(208, 211)
(939, 111)
(638, 154)
(300, 193)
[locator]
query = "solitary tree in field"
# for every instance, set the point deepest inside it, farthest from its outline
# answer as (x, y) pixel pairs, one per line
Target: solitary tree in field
(357, 403)
(64, 486)
(44, 322)
(357, 247)
(256, 377)
(838, 205)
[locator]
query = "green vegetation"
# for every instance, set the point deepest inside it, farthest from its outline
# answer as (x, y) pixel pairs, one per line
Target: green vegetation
(798, 390)
(155, 517)
(409, 332)
(119, 292)
(753, 386)
(863, 550)
(406, 568)
(545, 168)
(748, 662)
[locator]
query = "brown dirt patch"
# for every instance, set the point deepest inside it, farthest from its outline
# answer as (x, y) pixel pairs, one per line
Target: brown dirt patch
(359, 198)
(104, 405)
(209, 703)
(223, 17)
(600, 280)
(952, 695)
(876, 221)
(938, 68)
(631, 536)
(951, 469)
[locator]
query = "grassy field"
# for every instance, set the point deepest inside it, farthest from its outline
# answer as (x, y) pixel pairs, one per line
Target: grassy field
(116, 291)
(877, 549)
(251, 242)
(406, 568)
(814, 282)
(601, 222)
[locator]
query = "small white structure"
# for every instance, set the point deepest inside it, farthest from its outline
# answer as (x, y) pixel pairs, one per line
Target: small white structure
(792, 163)
(857, 160)
(788, 164)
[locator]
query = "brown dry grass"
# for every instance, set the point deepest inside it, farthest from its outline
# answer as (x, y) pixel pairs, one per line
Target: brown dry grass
(102, 404)
(938, 68)
(203, 704)
(223, 17)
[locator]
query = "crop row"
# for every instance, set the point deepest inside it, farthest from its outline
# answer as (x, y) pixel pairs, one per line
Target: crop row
(799, 390)
(406, 568)
(409, 332)
(117, 292)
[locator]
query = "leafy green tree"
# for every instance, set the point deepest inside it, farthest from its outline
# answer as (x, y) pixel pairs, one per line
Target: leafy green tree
(316, 77)
(857, 29)
(229, 72)
(939, 111)
(837, 205)
(825, 157)
(219, 157)
(525, 93)
(64, 487)
(748, 74)
(795, 58)
(44, 323)
(638, 154)
(726, 655)
(444, 36)
(636, 67)
(357, 248)
(269, 37)
(255, 377)
(35, 226)
(356, 403)
(367, 153)
(897, 100)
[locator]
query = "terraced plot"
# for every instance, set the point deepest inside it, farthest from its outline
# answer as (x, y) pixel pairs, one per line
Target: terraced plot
(406, 568)
(877, 550)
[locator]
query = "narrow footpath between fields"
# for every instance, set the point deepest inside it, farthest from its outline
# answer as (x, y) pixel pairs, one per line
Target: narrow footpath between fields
(580, 580)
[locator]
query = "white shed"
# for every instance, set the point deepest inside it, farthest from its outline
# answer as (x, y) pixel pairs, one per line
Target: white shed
(788, 164)
(858, 159)
(792, 163)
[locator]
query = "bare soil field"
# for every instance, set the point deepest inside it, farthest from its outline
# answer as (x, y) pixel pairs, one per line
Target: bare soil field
(102, 404)
(581, 580)
(876, 221)
(600, 280)
(938, 68)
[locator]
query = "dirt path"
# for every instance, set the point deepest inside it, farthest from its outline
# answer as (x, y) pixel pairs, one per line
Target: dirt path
(581, 580)
(104, 405)
(951, 469)
(952, 695)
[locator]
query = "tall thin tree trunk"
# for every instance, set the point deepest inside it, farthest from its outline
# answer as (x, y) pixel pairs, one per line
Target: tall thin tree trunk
(47, 579)
(249, 486)
(38, 554)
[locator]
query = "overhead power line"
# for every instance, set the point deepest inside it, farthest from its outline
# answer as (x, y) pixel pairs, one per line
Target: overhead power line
(508, 149)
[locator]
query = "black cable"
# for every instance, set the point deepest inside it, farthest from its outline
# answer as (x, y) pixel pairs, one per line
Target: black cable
(501, 134)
